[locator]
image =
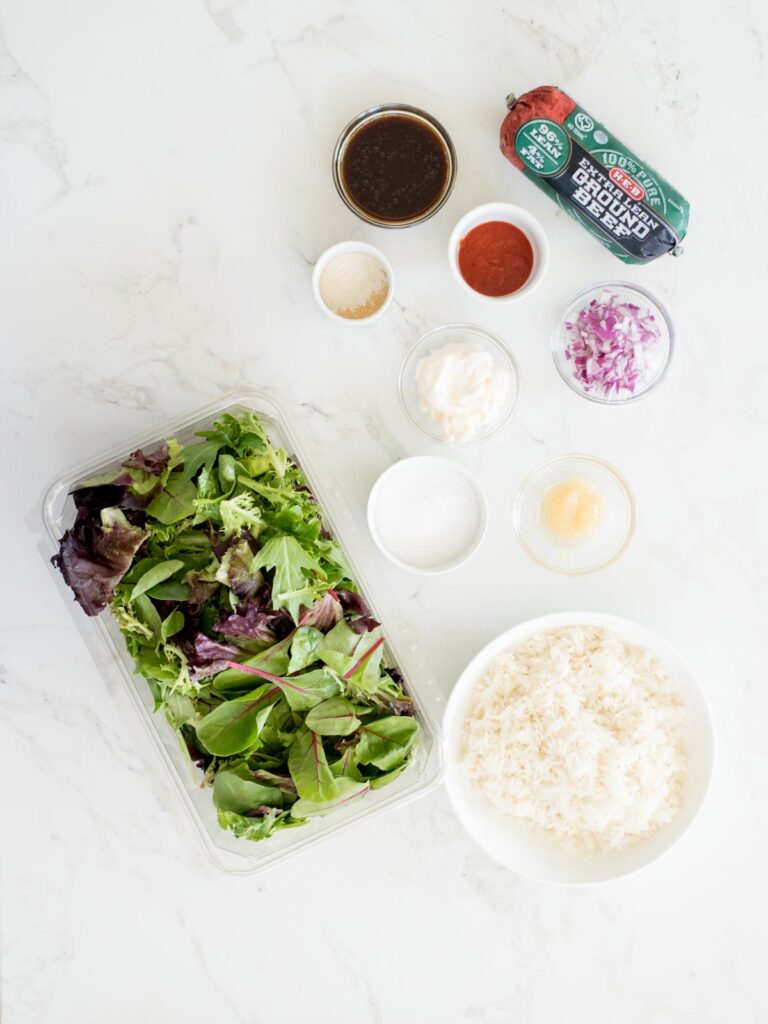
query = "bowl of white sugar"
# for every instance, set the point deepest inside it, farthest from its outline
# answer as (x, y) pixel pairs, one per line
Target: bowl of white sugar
(353, 283)
(427, 514)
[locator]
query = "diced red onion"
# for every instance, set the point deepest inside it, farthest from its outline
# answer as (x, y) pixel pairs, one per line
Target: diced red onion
(614, 347)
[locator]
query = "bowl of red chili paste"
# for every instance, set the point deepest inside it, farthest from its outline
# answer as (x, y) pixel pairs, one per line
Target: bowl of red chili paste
(498, 252)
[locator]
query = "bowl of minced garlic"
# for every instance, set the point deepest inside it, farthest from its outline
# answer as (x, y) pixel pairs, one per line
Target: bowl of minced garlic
(574, 514)
(353, 282)
(572, 509)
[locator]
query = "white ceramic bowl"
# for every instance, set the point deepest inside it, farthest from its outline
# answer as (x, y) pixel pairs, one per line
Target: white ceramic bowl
(512, 215)
(514, 846)
(340, 249)
(408, 471)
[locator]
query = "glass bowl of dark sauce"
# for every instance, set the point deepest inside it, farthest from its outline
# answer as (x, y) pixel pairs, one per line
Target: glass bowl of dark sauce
(394, 165)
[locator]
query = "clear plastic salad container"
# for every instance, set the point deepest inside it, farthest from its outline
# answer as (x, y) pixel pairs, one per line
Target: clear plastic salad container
(243, 856)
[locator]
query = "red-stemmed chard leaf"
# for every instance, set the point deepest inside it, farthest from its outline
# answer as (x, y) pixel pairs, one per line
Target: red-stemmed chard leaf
(303, 691)
(234, 726)
(333, 717)
(364, 657)
(386, 742)
(347, 791)
(309, 769)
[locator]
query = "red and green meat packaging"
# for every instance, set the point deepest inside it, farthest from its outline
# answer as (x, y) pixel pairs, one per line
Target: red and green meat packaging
(622, 201)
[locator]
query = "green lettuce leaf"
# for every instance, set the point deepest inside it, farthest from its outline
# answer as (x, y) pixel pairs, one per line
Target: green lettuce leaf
(235, 790)
(174, 502)
(297, 578)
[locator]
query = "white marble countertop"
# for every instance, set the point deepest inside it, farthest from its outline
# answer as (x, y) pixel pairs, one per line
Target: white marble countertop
(165, 189)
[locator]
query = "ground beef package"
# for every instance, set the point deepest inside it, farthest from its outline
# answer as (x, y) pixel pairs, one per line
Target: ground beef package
(617, 197)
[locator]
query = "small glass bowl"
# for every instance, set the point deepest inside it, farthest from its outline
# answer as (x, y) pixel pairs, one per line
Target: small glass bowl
(435, 339)
(388, 110)
(614, 531)
(627, 293)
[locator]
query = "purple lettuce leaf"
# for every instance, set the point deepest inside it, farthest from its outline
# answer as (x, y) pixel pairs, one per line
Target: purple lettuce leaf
(397, 705)
(254, 622)
(153, 462)
(207, 657)
(323, 614)
(354, 603)
(259, 812)
(95, 555)
(114, 495)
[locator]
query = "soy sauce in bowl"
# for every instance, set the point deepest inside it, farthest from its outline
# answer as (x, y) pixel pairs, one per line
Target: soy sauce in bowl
(394, 166)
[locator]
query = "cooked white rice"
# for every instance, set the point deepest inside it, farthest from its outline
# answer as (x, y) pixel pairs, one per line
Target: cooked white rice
(578, 735)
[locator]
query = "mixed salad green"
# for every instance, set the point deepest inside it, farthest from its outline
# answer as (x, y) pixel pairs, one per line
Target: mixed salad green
(239, 611)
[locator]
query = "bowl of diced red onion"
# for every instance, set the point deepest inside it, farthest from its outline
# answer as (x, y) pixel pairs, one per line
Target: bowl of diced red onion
(613, 342)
